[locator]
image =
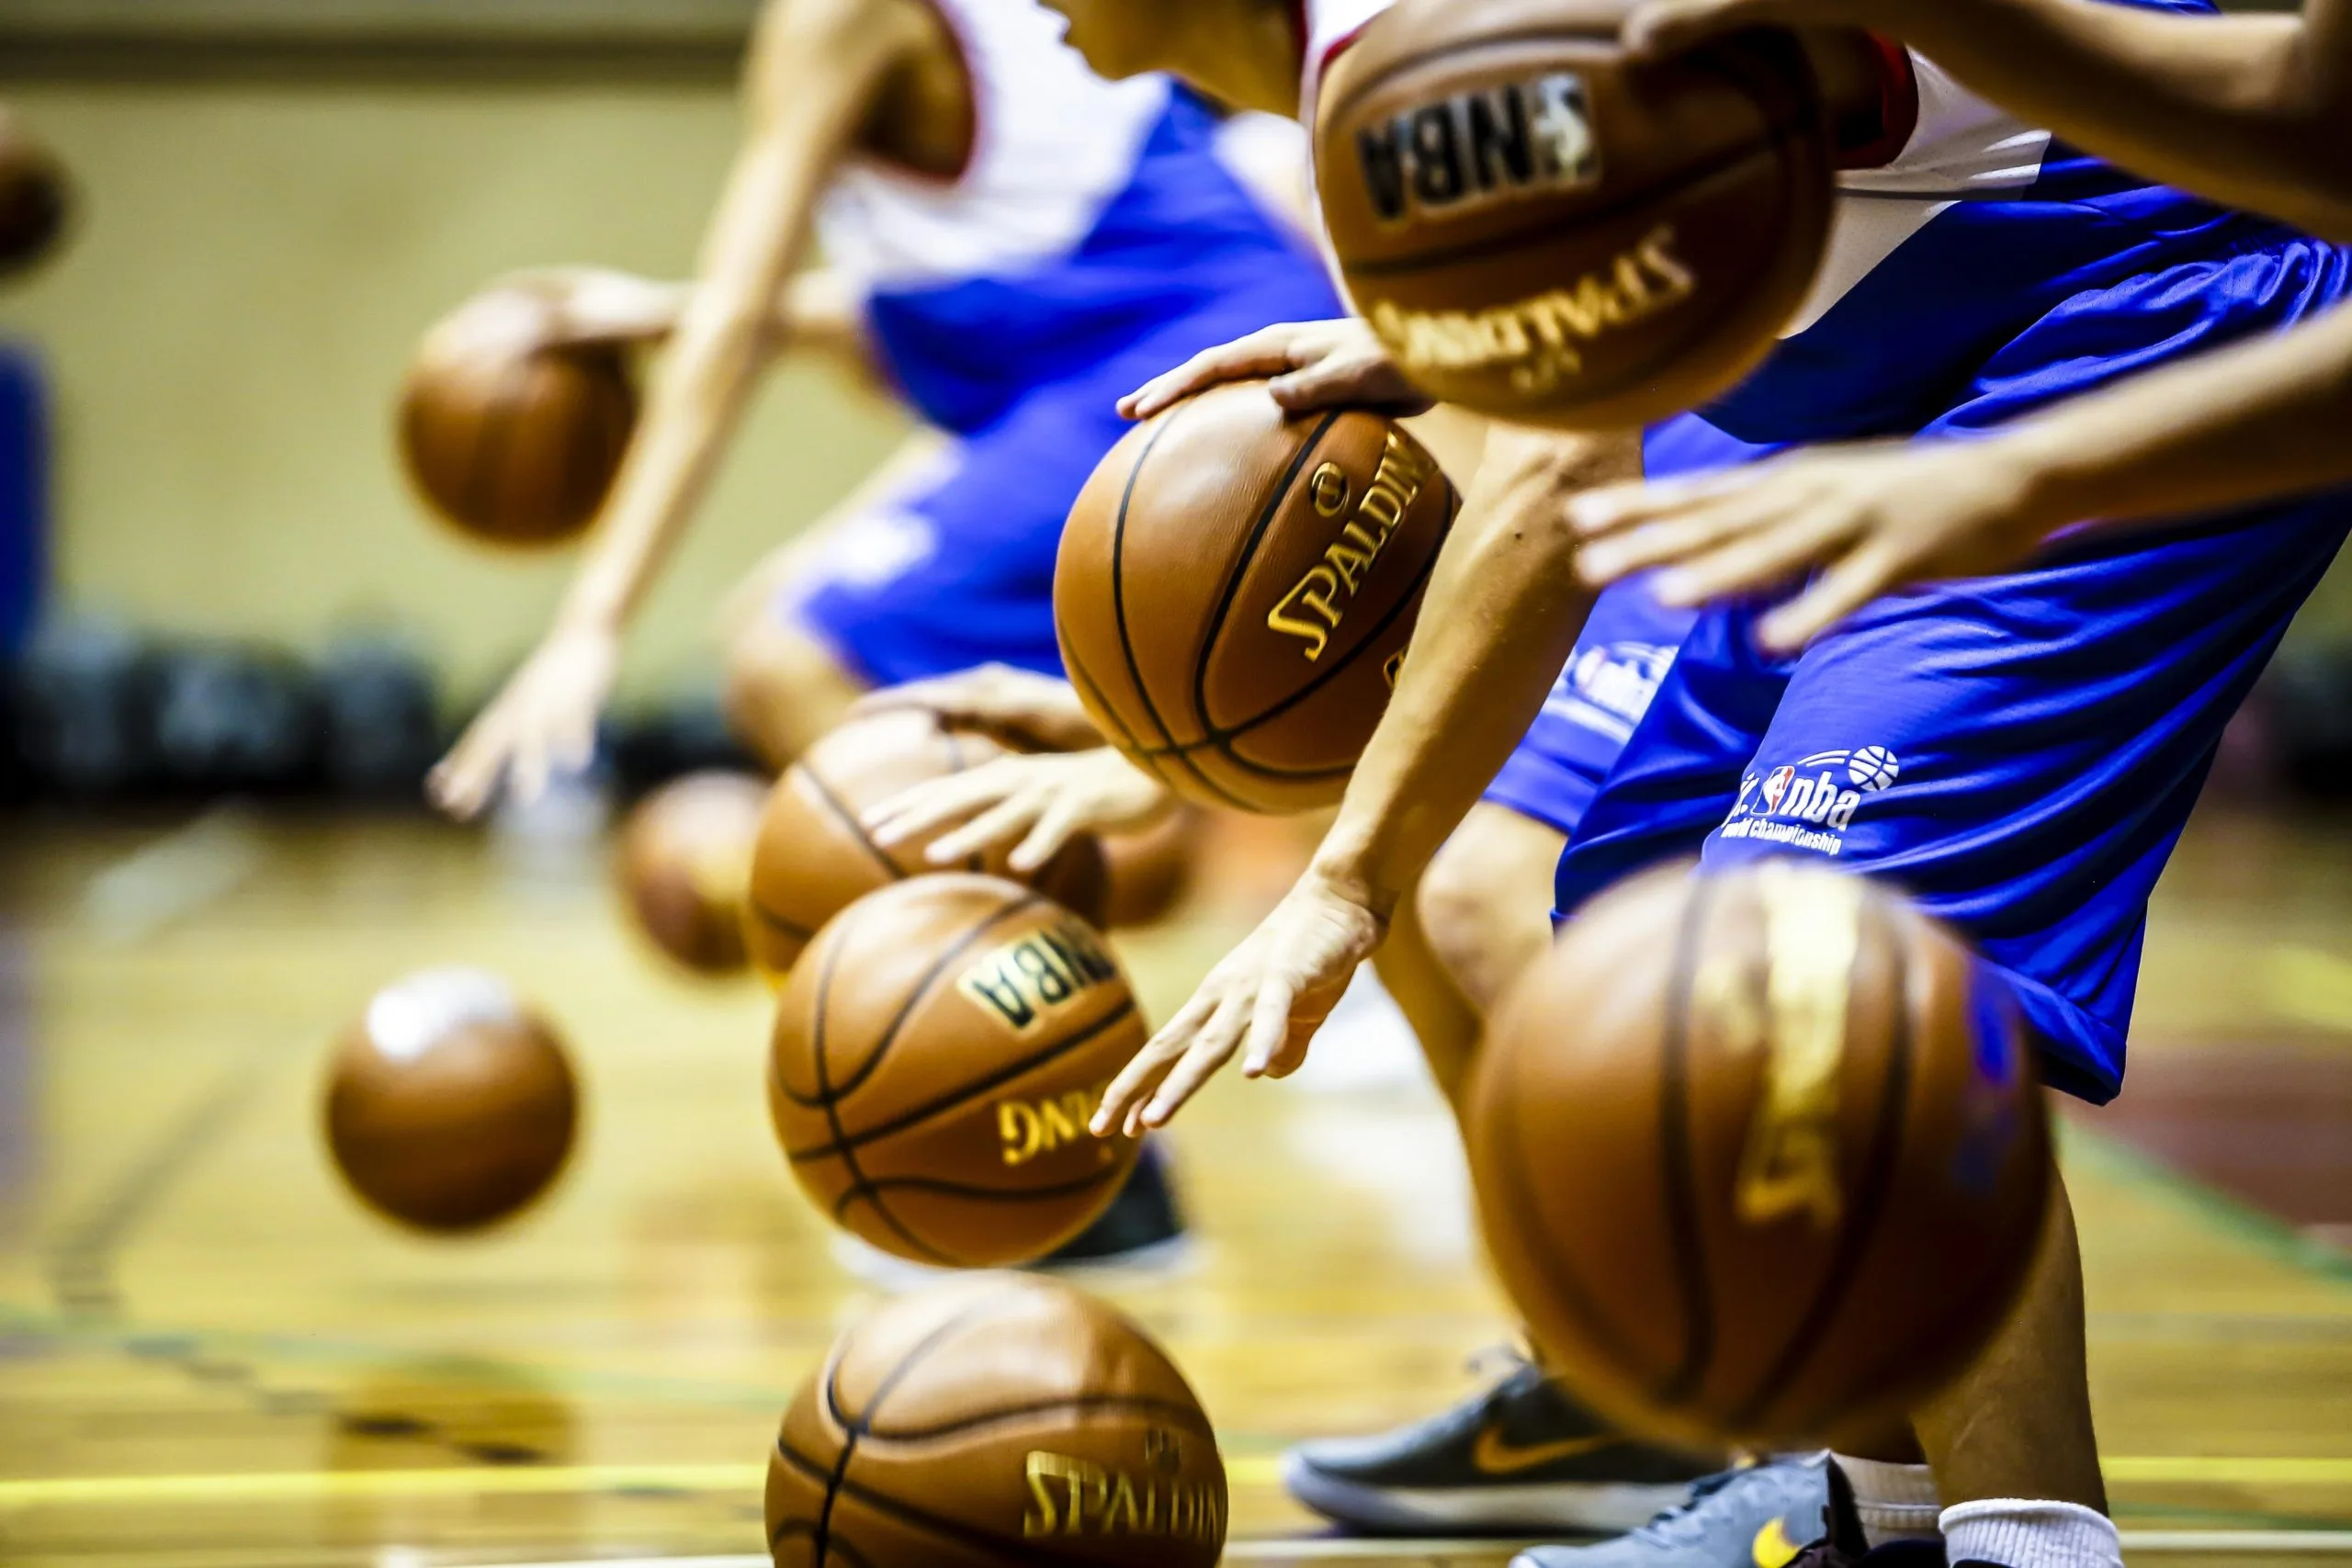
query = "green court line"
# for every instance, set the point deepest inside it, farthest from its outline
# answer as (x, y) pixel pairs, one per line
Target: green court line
(2104, 1154)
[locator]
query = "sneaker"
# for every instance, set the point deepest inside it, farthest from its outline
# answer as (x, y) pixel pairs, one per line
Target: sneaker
(1843, 1545)
(1143, 1228)
(1759, 1516)
(1520, 1458)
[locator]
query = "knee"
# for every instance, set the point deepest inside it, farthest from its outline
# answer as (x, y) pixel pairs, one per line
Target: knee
(1485, 902)
(782, 689)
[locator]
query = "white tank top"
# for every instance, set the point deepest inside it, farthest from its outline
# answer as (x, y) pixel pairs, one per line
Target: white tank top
(1052, 145)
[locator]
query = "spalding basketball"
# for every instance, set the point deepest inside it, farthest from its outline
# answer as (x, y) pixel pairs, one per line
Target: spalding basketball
(995, 1421)
(1761, 1157)
(1236, 589)
(450, 1106)
(935, 1060)
(513, 437)
(1546, 231)
(32, 196)
(685, 866)
(812, 859)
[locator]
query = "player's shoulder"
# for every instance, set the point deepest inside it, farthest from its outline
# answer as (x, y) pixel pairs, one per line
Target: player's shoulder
(792, 36)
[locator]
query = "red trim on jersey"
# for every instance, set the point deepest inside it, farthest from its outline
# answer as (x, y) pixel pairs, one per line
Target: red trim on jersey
(1899, 109)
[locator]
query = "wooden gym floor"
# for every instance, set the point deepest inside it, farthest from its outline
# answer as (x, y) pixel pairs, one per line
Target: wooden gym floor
(209, 1355)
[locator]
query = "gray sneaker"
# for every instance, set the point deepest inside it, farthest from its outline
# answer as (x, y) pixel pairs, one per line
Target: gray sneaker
(1758, 1517)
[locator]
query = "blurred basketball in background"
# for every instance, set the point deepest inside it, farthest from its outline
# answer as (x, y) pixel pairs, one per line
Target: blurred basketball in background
(1236, 589)
(999, 1420)
(1149, 870)
(450, 1106)
(685, 866)
(510, 434)
(936, 1059)
(1544, 230)
(812, 859)
(33, 196)
(1759, 1155)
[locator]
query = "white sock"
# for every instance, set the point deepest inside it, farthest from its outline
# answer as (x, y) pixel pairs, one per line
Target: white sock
(1895, 1502)
(2016, 1532)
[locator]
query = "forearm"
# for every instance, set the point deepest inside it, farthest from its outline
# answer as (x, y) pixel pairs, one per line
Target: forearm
(1500, 618)
(2249, 423)
(2247, 111)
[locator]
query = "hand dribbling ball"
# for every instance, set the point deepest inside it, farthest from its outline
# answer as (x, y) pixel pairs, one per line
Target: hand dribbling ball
(1544, 230)
(1761, 1154)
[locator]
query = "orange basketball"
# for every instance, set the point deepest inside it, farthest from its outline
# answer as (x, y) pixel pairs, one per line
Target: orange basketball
(511, 436)
(685, 866)
(33, 196)
(1761, 1158)
(450, 1106)
(812, 859)
(1546, 231)
(996, 1420)
(936, 1059)
(1236, 589)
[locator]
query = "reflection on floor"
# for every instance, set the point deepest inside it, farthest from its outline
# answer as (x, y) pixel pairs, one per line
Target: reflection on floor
(209, 1355)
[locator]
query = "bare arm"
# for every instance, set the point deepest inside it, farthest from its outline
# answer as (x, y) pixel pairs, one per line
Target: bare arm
(2251, 423)
(1502, 614)
(815, 68)
(2252, 111)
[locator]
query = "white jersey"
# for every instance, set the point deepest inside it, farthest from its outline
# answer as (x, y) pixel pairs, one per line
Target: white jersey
(1053, 144)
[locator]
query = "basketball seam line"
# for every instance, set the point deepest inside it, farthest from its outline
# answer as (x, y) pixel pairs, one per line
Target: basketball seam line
(1878, 1170)
(870, 1187)
(1141, 1404)
(840, 808)
(901, 1512)
(1243, 560)
(1440, 255)
(768, 917)
(831, 1105)
(921, 1113)
(1683, 1231)
(1133, 749)
(1119, 607)
(914, 998)
(1219, 738)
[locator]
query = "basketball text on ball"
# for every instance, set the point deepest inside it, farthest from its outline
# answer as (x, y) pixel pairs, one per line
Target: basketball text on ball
(1812, 931)
(1076, 1496)
(1030, 1128)
(1023, 981)
(1487, 144)
(1536, 338)
(1312, 608)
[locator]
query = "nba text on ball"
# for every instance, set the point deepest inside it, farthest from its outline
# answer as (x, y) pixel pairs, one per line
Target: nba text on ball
(1480, 146)
(1312, 608)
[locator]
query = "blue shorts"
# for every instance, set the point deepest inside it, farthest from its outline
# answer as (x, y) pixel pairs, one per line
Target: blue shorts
(2019, 754)
(1621, 656)
(957, 569)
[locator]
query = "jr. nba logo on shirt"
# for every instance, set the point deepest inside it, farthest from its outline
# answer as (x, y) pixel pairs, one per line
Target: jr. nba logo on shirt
(1608, 688)
(1810, 804)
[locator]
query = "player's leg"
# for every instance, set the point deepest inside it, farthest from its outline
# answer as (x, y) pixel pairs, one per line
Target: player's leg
(785, 688)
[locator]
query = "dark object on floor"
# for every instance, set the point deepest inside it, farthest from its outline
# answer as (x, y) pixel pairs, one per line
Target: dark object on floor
(379, 711)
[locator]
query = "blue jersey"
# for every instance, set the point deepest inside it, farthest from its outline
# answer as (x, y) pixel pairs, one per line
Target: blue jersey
(1092, 215)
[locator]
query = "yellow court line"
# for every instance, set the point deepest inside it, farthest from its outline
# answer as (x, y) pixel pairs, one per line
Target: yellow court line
(1251, 1470)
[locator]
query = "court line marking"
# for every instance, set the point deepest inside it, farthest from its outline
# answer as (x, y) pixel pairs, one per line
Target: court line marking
(1247, 1470)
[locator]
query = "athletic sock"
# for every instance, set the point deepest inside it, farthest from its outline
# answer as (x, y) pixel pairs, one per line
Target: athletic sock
(1894, 1502)
(2016, 1532)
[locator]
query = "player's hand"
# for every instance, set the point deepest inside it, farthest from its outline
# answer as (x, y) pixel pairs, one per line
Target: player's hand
(544, 719)
(1265, 998)
(1039, 710)
(1314, 365)
(1874, 518)
(1043, 800)
(597, 304)
(1656, 27)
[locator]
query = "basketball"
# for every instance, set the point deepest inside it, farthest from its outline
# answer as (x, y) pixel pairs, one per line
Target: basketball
(1149, 870)
(812, 859)
(32, 196)
(450, 1106)
(1236, 588)
(510, 436)
(992, 1420)
(685, 866)
(933, 1065)
(1544, 231)
(1755, 1156)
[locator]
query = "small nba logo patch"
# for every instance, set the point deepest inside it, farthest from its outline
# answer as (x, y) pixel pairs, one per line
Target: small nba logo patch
(1776, 788)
